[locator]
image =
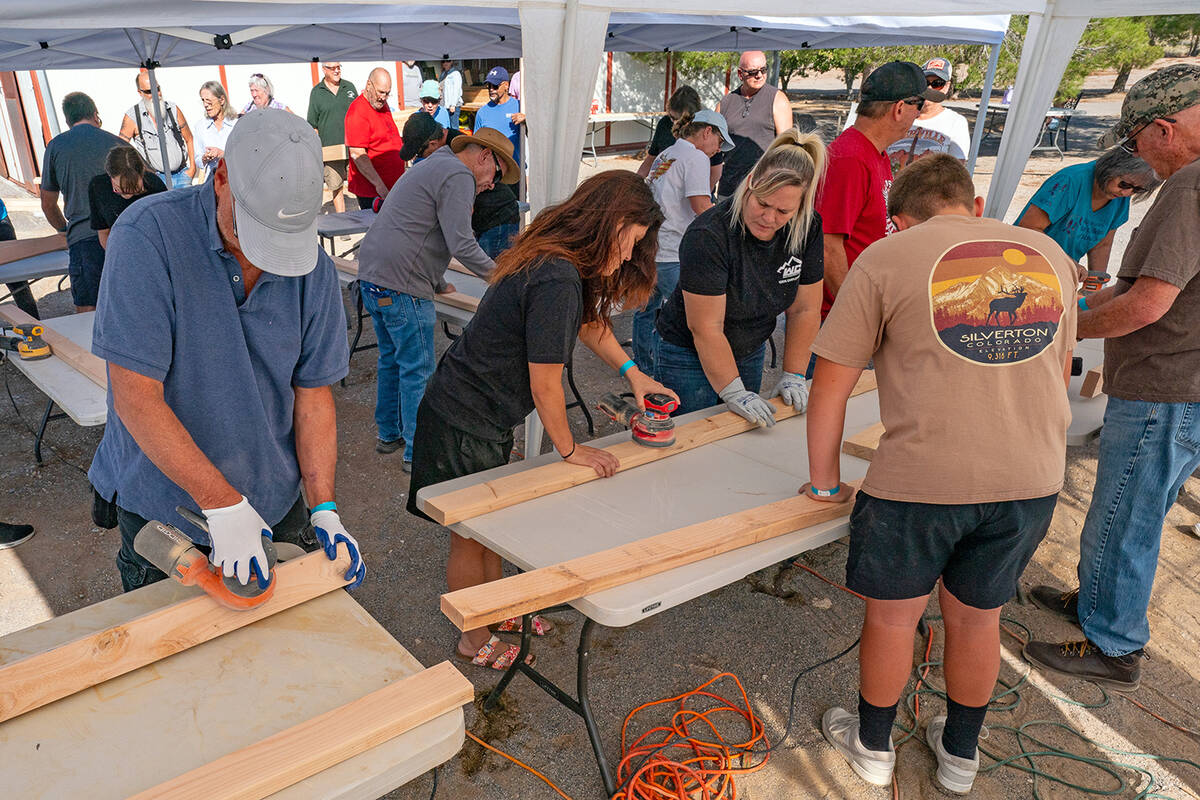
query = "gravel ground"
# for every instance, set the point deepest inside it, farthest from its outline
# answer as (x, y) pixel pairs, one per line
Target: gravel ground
(764, 629)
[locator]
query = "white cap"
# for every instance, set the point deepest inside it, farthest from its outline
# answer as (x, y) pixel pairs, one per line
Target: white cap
(276, 177)
(710, 117)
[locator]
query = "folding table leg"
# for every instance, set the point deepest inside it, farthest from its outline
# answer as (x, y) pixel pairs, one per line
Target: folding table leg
(41, 432)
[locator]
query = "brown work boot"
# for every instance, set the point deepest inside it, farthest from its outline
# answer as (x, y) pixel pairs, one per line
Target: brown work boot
(1082, 659)
(1064, 604)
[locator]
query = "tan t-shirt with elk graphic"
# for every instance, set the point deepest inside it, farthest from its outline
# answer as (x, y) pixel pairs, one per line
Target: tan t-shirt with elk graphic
(969, 322)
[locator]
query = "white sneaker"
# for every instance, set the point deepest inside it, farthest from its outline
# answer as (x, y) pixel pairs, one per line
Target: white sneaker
(955, 774)
(841, 729)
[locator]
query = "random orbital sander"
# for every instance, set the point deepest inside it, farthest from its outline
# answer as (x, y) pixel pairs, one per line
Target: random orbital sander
(27, 342)
(652, 427)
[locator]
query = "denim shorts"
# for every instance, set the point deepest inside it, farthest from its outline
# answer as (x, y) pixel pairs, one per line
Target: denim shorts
(898, 550)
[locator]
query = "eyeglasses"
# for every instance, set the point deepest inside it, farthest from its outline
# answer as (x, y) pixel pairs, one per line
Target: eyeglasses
(1130, 143)
(919, 102)
(334, 68)
(492, 85)
(752, 73)
(499, 170)
(378, 93)
(1132, 187)
(258, 75)
(935, 83)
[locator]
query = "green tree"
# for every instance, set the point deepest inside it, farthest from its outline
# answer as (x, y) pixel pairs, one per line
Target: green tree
(1176, 29)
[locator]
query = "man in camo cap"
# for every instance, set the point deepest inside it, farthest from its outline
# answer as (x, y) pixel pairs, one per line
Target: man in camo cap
(1150, 321)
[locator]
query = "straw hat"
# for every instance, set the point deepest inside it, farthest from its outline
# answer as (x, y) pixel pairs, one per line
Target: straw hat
(498, 143)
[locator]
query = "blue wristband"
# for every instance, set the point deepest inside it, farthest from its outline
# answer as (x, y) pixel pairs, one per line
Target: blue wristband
(327, 506)
(1083, 304)
(628, 365)
(824, 492)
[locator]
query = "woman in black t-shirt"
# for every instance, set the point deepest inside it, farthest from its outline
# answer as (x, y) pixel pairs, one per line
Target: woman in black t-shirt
(561, 280)
(742, 263)
(126, 178)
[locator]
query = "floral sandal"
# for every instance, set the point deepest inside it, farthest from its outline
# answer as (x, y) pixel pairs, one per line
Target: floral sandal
(541, 626)
(486, 656)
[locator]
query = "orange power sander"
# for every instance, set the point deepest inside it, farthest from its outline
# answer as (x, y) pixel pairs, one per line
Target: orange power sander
(652, 427)
(167, 548)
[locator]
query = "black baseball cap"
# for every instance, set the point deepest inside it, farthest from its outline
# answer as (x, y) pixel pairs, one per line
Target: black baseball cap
(898, 80)
(419, 129)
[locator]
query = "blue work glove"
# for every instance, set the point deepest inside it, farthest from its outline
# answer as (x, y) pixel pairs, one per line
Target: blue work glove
(748, 404)
(330, 531)
(793, 390)
(236, 532)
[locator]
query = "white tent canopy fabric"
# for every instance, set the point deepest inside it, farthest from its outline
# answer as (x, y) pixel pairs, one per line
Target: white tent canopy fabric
(567, 39)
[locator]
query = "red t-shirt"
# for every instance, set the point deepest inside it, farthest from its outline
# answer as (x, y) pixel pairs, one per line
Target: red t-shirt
(853, 201)
(376, 132)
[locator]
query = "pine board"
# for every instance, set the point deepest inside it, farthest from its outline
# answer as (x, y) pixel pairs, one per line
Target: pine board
(864, 443)
(89, 364)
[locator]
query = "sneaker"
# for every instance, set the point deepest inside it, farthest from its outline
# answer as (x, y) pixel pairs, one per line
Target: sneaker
(1082, 659)
(1064, 604)
(385, 446)
(13, 535)
(954, 773)
(841, 729)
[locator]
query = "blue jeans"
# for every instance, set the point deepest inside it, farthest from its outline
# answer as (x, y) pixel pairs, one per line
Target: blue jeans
(643, 320)
(495, 241)
(679, 368)
(178, 179)
(404, 330)
(1147, 451)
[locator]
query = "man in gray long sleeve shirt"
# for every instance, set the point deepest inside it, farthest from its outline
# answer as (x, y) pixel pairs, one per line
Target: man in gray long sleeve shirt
(425, 220)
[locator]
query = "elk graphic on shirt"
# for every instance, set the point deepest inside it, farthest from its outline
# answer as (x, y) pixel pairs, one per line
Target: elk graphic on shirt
(995, 302)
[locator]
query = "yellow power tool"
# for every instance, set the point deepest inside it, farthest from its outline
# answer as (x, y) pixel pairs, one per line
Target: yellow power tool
(27, 342)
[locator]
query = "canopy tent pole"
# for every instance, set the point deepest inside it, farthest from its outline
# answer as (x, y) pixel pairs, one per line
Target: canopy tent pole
(981, 115)
(158, 123)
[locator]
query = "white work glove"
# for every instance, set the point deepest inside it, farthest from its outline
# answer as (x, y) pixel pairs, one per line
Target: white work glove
(330, 530)
(793, 389)
(748, 404)
(236, 533)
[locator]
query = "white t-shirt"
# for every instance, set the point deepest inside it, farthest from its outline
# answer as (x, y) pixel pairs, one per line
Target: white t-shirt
(679, 172)
(945, 132)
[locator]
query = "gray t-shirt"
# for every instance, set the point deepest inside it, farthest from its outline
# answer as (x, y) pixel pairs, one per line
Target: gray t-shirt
(71, 160)
(425, 220)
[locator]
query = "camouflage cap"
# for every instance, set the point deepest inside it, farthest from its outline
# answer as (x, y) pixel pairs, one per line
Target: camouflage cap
(1155, 96)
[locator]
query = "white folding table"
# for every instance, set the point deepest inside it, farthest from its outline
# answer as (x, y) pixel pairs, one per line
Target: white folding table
(744, 471)
(1087, 414)
(84, 402)
(604, 119)
(148, 726)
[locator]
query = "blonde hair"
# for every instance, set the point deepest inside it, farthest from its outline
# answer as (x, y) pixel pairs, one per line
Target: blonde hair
(793, 159)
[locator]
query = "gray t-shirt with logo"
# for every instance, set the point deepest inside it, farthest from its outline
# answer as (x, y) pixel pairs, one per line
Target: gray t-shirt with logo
(70, 162)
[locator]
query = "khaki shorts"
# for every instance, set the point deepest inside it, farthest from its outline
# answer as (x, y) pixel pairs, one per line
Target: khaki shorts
(335, 174)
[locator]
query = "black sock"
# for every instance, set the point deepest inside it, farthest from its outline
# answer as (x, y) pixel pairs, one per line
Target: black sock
(963, 724)
(875, 724)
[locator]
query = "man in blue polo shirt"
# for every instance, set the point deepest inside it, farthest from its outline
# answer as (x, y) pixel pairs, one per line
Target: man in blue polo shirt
(502, 111)
(222, 324)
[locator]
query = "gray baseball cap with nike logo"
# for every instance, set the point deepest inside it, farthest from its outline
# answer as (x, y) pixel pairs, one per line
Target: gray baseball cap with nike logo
(276, 177)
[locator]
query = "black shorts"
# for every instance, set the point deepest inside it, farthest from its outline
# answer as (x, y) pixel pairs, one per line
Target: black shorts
(899, 550)
(442, 452)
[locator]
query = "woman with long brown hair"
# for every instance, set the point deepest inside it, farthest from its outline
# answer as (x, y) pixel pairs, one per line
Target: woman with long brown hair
(576, 264)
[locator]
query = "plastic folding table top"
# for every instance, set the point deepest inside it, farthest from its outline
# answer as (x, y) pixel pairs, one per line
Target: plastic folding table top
(44, 265)
(734, 474)
(1087, 414)
(83, 401)
(148, 726)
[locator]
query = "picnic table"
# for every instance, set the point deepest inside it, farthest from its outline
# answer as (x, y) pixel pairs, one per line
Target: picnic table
(76, 395)
(731, 475)
(133, 732)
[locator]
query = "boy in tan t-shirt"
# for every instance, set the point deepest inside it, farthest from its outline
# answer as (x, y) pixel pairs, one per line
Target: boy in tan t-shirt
(970, 324)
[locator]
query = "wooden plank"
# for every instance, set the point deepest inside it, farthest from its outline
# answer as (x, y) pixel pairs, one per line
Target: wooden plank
(864, 443)
(335, 152)
(456, 299)
(1093, 383)
(303, 750)
(472, 501)
(17, 249)
(89, 364)
(457, 266)
(35, 680)
(540, 588)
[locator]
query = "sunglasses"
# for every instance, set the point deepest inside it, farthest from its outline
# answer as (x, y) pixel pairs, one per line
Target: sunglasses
(337, 68)
(144, 91)
(935, 83)
(919, 102)
(752, 73)
(492, 85)
(1130, 143)
(1132, 187)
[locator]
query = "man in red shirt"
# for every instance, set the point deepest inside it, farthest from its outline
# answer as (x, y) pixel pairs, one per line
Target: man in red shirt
(853, 202)
(374, 142)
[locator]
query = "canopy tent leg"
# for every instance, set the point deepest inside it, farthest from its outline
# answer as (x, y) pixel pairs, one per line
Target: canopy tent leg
(984, 99)
(158, 124)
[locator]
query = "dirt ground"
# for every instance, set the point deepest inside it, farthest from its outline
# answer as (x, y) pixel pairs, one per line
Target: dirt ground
(764, 629)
